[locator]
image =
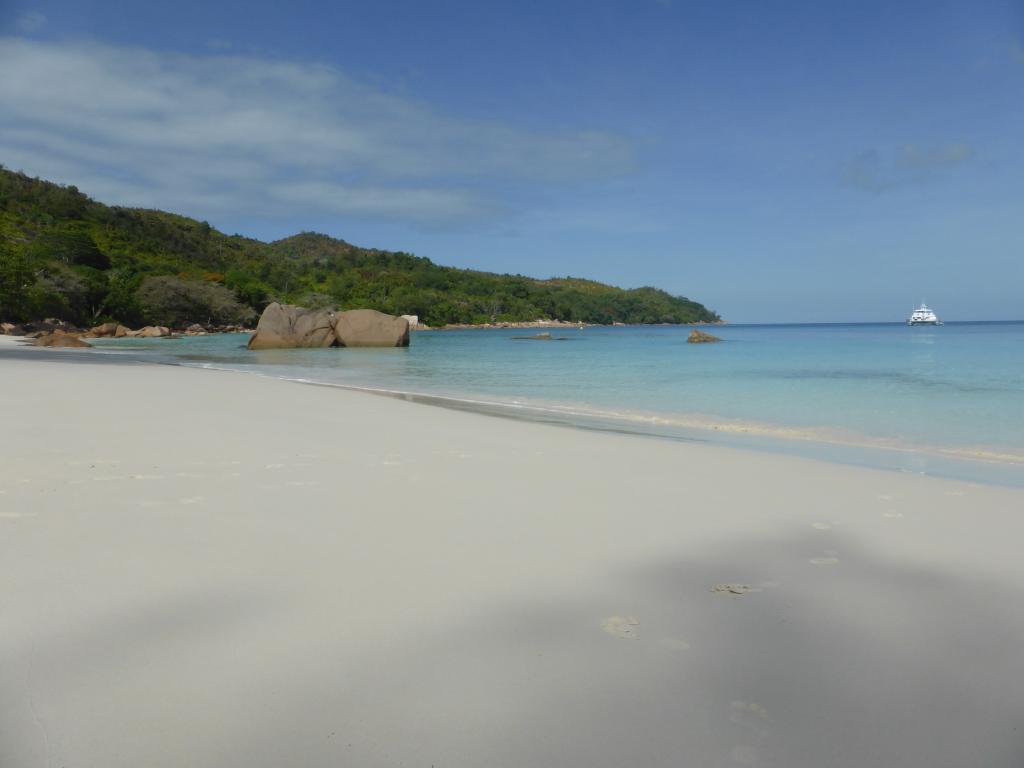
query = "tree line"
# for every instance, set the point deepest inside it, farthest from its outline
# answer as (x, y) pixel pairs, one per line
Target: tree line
(64, 255)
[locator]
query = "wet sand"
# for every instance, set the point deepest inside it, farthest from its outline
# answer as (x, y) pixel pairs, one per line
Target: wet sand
(212, 569)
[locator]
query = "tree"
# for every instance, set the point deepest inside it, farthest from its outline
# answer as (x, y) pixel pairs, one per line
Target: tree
(16, 278)
(71, 247)
(175, 302)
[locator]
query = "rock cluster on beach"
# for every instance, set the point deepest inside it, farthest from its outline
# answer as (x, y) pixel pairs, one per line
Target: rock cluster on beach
(60, 333)
(289, 326)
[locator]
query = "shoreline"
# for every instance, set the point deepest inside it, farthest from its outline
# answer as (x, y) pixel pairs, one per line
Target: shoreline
(820, 443)
(263, 574)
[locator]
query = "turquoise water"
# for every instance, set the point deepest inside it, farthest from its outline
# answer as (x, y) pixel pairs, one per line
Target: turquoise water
(953, 392)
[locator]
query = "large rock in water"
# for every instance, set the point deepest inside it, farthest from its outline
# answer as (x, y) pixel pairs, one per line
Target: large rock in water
(290, 326)
(284, 326)
(370, 328)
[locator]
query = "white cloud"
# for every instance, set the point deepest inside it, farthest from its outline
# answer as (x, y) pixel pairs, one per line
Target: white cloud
(217, 134)
(29, 22)
(877, 172)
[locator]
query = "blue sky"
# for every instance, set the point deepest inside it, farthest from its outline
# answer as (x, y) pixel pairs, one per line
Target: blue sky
(796, 161)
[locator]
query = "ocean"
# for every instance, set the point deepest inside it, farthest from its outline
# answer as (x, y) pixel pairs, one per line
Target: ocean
(943, 400)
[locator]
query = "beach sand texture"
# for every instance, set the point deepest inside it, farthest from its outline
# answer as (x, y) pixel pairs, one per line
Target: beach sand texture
(201, 568)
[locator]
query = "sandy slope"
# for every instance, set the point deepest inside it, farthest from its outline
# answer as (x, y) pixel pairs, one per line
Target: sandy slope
(213, 569)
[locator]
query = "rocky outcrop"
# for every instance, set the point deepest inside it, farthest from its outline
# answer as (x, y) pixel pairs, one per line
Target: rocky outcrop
(11, 329)
(59, 338)
(285, 325)
(152, 332)
(370, 328)
(699, 337)
(122, 331)
(103, 330)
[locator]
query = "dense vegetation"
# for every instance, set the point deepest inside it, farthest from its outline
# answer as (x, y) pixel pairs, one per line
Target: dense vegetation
(63, 255)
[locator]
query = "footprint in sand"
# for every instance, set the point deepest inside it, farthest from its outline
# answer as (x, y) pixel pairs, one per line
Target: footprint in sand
(830, 558)
(753, 726)
(674, 643)
(734, 589)
(621, 627)
(743, 754)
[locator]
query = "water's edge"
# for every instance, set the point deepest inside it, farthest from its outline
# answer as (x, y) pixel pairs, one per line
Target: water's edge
(834, 446)
(920, 460)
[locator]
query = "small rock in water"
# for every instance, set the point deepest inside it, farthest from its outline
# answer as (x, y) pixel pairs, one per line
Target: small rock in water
(699, 337)
(536, 337)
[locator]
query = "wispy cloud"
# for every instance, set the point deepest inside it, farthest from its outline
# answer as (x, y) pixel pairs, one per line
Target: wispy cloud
(244, 135)
(29, 22)
(877, 172)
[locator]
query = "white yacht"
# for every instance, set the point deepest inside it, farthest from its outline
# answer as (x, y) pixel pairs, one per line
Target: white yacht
(923, 316)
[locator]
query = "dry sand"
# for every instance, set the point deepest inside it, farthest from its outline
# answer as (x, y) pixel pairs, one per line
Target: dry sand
(212, 569)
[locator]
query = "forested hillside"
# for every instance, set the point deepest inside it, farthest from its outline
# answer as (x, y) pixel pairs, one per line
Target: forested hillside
(64, 255)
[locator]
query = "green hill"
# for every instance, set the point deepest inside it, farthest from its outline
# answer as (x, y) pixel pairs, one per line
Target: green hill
(64, 255)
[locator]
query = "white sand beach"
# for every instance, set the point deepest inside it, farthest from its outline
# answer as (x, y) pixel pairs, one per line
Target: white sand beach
(202, 568)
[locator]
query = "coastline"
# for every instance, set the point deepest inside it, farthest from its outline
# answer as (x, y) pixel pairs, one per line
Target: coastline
(259, 573)
(972, 463)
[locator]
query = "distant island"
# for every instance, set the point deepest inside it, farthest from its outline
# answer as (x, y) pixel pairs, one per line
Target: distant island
(64, 255)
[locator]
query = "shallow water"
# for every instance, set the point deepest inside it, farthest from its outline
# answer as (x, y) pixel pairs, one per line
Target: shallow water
(918, 399)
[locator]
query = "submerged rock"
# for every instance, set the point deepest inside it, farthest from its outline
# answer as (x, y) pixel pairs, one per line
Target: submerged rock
(699, 337)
